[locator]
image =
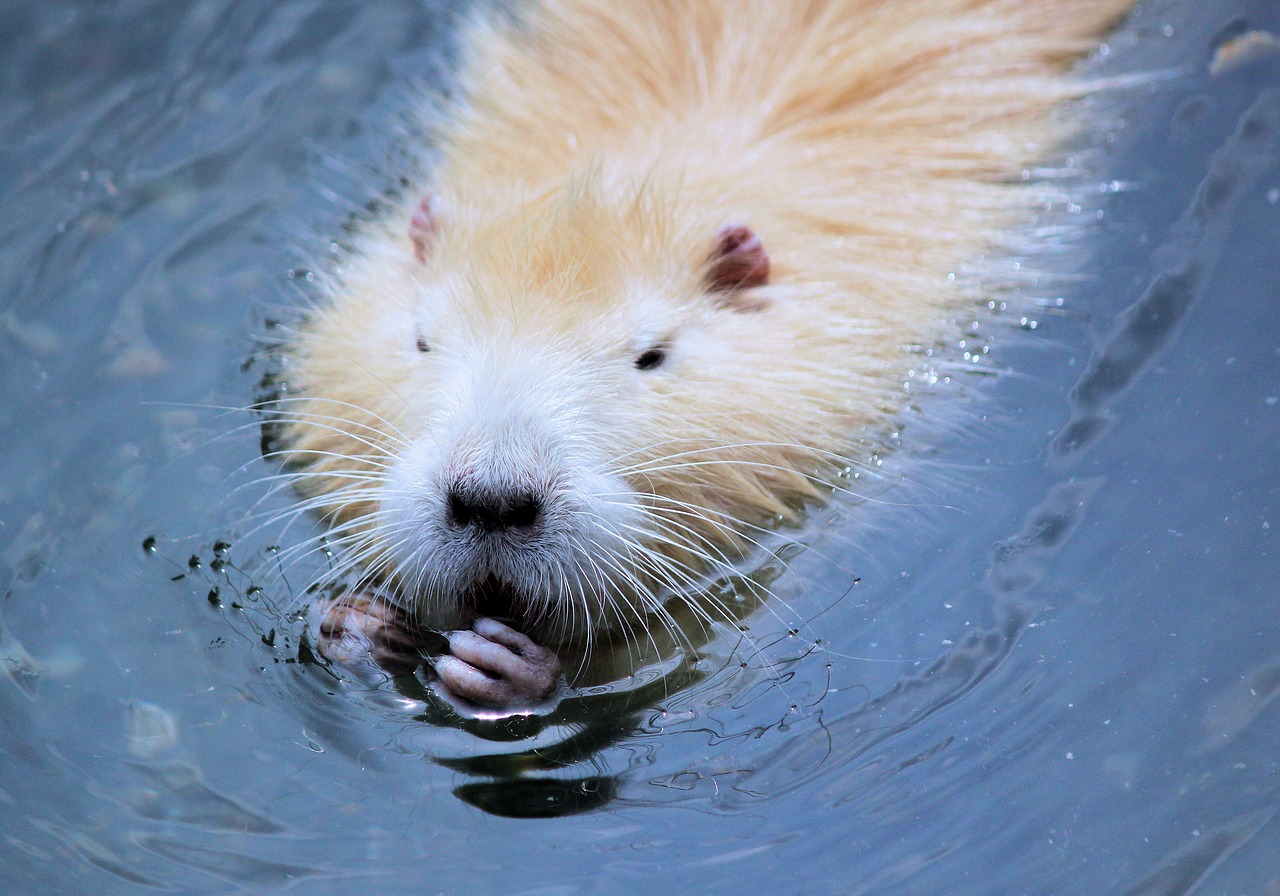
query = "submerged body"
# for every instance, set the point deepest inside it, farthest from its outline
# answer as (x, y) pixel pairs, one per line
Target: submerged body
(669, 259)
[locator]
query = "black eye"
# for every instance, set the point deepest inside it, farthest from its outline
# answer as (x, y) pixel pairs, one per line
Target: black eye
(652, 358)
(423, 345)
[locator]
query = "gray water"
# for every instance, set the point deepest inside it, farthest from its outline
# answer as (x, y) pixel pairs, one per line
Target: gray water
(1044, 661)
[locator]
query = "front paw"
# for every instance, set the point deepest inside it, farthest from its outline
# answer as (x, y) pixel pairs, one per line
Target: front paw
(493, 665)
(369, 636)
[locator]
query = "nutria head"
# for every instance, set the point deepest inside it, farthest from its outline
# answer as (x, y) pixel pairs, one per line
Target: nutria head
(562, 412)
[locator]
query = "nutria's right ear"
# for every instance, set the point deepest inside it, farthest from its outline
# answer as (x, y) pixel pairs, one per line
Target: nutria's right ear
(424, 224)
(738, 262)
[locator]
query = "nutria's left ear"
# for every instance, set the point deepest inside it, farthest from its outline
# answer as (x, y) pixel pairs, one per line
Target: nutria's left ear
(424, 224)
(738, 261)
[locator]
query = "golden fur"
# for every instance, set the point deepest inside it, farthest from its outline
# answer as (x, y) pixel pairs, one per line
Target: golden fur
(875, 146)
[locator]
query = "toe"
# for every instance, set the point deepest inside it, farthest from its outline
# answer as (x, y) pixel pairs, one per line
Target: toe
(482, 653)
(499, 632)
(531, 668)
(461, 679)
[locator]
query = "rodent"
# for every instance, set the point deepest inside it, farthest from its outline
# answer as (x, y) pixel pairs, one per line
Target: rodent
(664, 266)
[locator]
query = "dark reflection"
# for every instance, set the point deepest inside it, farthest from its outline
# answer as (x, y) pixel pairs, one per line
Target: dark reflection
(539, 797)
(524, 763)
(523, 782)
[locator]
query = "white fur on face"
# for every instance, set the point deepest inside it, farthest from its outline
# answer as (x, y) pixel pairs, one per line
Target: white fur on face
(513, 421)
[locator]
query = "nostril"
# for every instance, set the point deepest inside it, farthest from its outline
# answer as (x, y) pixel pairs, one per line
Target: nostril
(523, 510)
(461, 511)
(491, 511)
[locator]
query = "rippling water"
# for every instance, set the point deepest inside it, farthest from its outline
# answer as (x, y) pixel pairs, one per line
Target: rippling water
(1044, 661)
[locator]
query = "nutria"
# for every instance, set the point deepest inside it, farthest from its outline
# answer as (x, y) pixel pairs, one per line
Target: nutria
(667, 261)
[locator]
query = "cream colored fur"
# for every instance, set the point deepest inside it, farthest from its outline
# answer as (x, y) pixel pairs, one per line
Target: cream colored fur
(874, 145)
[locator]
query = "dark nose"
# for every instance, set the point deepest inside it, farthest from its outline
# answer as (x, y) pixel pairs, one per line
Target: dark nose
(493, 511)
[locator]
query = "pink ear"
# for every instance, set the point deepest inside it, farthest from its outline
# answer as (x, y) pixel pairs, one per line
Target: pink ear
(738, 261)
(423, 224)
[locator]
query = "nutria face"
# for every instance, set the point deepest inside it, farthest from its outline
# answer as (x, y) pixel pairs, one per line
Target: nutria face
(559, 414)
(509, 497)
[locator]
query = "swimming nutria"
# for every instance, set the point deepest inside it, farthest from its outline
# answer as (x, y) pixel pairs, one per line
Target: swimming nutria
(666, 263)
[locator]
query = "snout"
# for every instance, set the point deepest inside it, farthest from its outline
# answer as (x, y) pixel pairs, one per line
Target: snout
(512, 516)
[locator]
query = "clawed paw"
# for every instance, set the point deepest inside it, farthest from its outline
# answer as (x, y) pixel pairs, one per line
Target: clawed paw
(371, 636)
(493, 665)
(490, 665)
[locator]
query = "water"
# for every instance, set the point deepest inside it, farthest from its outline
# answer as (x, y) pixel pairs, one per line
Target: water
(1049, 665)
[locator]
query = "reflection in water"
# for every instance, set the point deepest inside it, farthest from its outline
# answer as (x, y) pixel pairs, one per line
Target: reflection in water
(1147, 327)
(540, 797)
(1181, 873)
(1021, 561)
(544, 763)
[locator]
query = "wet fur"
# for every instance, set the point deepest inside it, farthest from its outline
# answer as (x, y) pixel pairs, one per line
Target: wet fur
(874, 146)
